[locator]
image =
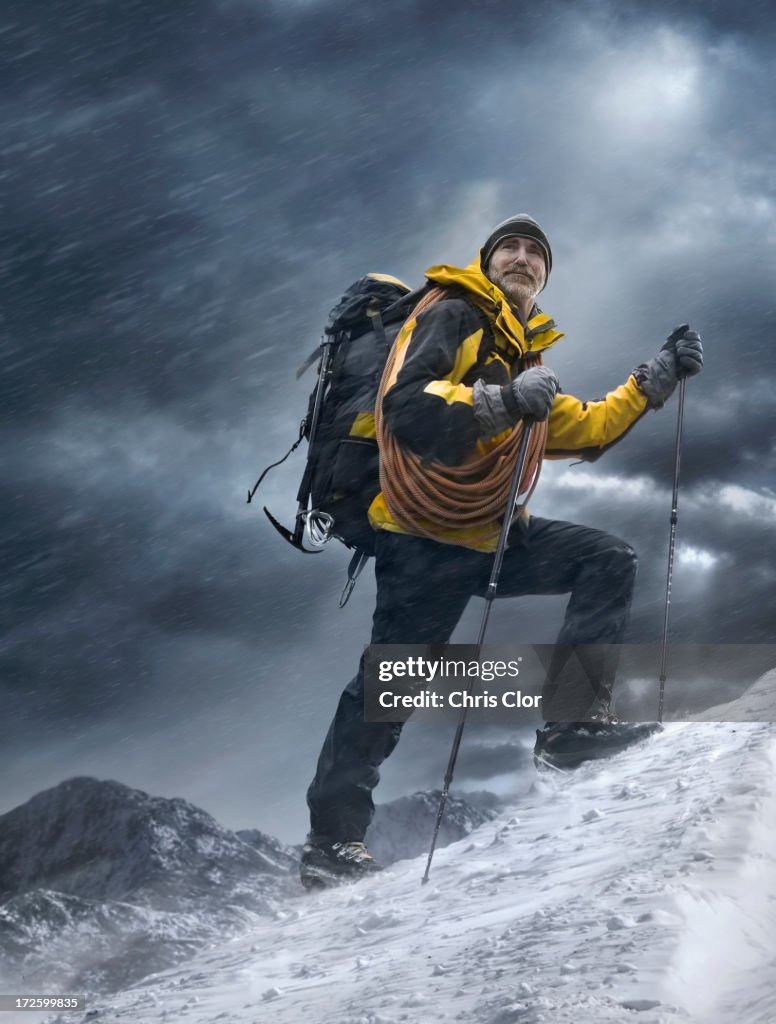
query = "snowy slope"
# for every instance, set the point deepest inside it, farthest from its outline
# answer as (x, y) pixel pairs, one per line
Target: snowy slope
(101, 884)
(757, 704)
(640, 889)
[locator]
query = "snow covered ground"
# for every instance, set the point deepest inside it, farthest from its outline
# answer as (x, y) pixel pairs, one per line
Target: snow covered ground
(638, 889)
(757, 704)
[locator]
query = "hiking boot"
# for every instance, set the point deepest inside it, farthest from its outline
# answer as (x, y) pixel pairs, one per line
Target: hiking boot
(326, 862)
(569, 744)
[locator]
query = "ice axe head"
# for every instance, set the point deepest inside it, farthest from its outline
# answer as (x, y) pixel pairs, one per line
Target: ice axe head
(284, 533)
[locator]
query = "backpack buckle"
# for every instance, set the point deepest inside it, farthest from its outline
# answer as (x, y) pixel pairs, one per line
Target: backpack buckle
(357, 563)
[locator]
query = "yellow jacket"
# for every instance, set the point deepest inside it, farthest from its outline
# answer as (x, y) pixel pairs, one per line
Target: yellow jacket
(474, 334)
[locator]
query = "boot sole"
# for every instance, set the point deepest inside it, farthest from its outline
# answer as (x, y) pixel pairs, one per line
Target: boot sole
(594, 751)
(314, 877)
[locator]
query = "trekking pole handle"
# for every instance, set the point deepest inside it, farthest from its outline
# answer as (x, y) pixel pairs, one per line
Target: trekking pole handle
(677, 332)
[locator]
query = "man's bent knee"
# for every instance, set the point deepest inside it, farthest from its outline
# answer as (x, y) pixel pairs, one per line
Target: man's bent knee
(622, 556)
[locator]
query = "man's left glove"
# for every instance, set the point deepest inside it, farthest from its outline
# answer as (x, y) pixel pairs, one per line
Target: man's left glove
(681, 356)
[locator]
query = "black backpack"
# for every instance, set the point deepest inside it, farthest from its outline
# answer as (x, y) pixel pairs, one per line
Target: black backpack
(341, 476)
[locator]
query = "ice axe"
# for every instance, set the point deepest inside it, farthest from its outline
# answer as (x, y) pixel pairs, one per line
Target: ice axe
(310, 524)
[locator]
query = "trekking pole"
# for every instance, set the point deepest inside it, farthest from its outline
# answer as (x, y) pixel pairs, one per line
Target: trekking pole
(489, 596)
(672, 541)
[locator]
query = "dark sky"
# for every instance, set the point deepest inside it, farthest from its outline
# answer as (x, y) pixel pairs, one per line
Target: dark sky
(186, 190)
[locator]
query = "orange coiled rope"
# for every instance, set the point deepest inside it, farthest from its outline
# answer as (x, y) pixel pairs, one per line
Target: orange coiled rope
(422, 497)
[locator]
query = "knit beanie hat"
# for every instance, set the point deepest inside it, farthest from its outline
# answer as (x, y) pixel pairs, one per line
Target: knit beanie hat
(523, 226)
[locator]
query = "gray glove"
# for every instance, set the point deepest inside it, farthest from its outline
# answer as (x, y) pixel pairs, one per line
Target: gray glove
(681, 356)
(531, 393)
(689, 353)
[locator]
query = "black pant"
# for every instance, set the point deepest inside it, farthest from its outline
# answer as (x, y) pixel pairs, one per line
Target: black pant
(422, 590)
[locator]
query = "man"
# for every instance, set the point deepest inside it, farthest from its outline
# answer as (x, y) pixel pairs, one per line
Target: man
(458, 386)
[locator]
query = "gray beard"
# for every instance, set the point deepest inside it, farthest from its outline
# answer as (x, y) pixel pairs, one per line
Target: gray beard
(517, 289)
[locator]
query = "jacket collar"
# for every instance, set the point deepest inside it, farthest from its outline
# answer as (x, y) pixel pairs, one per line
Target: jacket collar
(538, 333)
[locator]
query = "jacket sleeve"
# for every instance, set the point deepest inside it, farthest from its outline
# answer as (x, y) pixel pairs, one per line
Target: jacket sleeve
(427, 408)
(585, 430)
